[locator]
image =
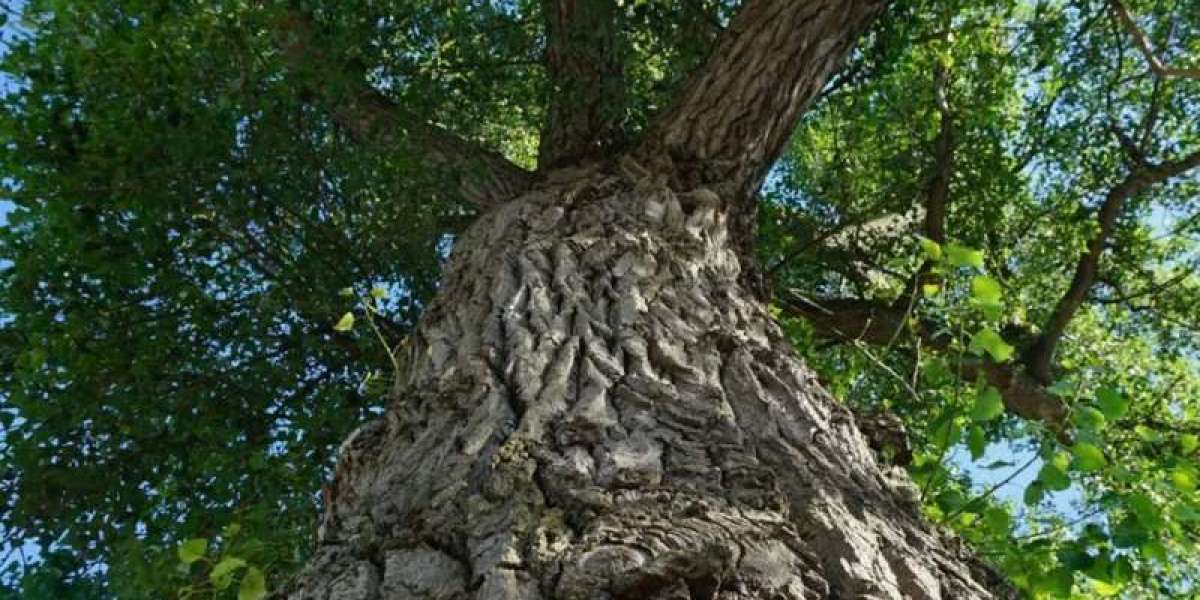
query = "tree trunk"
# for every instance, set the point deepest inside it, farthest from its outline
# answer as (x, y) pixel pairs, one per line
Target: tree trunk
(597, 409)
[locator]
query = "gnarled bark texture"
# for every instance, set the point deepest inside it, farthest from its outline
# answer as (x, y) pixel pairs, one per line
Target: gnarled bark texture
(598, 409)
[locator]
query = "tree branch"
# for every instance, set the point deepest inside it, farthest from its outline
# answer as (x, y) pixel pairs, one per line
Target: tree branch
(730, 122)
(850, 319)
(1147, 50)
(484, 177)
(586, 67)
(1040, 357)
(938, 191)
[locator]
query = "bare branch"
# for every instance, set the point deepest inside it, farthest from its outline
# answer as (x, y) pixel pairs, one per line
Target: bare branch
(586, 67)
(1040, 356)
(1147, 50)
(485, 178)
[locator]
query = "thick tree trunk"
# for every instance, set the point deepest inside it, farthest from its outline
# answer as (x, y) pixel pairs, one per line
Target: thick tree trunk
(597, 409)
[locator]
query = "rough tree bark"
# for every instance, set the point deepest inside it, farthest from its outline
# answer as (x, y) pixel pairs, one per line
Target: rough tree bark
(597, 408)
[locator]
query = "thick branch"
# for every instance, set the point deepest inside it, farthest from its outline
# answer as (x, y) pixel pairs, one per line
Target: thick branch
(938, 193)
(849, 319)
(1147, 50)
(485, 178)
(731, 121)
(1040, 357)
(586, 67)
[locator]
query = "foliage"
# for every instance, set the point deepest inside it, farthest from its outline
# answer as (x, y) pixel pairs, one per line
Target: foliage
(180, 365)
(1049, 107)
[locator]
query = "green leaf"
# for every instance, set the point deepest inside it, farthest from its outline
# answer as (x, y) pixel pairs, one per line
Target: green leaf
(930, 290)
(347, 292)
(346, 323)
(1105, 589)
(1154, 550)
(1147, 434)
(1074, 556)
(378, 293)
(1054, 478)
(947, 433)
(1061, 461)
(932, 249)
(1129, 533)
(988, 405)
(230, 530)
(1186, 513)
(192, 550)
(976, 442)
(1111, 403)
(962, 256)
(254, 585)
(222, 574)
(1061, 388)
(1088, 458)
(1146, 510)
(951, 500)
(997, 520)
(1056, 583)
(1034, 492)
(1184, 478)
(1086, 417)
(1188, 443)
(986, 289)
(987, 340)
(992, 311)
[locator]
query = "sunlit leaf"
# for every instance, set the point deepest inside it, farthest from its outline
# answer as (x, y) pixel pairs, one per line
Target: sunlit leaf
(986, 289)
(346, 323)
(1184, 477)
(1112, 403)
(988, 405)
(932, 249)
(192, 550)
(1088, 457)
(962, 256)
(987, 340)
(253, 586)
(222, 574)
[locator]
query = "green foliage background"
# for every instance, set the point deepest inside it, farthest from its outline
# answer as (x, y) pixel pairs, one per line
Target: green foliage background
(185, 212)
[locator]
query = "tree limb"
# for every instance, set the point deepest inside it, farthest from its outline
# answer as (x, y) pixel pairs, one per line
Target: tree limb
(937, 193)
(851, 319)
(484, 177)
(1147, 50)
(1040, 356)
(586, 67)
(730, 122)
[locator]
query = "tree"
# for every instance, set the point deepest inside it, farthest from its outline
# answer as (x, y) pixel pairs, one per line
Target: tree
(658, 213)
(595, 404)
